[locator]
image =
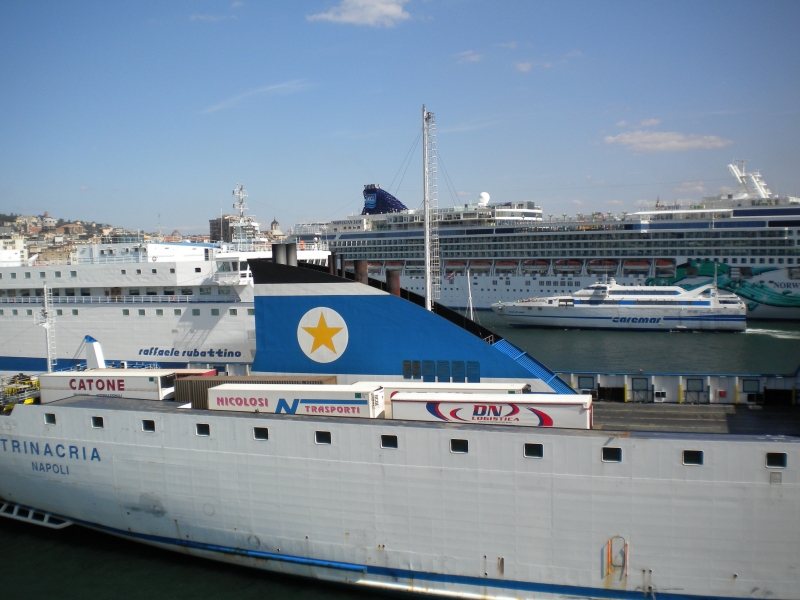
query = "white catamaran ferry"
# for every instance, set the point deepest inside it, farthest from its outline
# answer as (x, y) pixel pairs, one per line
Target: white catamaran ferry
(498, 252)
(608, 305)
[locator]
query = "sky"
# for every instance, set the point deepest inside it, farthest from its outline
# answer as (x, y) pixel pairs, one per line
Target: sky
(143, 114)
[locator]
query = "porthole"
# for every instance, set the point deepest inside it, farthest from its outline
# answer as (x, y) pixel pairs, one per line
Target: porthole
(389, 441)
(611, 454)
(534, 450)
(777, 460)
(459, 446)
(97, 422)
(148, 425)
(203, 429)
(260, 433)
(322, 437)
(49, 419)
(693, 457)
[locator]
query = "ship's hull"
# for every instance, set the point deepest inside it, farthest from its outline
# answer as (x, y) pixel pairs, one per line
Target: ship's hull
(488, 523)
(535, 314)
(156, 336)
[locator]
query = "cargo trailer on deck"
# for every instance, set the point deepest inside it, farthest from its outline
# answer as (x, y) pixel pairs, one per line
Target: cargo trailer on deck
(359, 400)
(141, 384)
(531, 410)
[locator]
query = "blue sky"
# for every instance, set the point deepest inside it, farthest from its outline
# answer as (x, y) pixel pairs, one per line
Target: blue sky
(119, 112)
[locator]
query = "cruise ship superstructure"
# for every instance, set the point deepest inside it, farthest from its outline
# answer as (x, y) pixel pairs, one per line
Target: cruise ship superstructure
(471, 508)
(493, 252)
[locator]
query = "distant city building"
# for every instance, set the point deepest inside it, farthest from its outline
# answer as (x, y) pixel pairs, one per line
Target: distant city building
(220, 228)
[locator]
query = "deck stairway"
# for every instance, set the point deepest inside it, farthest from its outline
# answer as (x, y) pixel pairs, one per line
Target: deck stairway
(536, 368)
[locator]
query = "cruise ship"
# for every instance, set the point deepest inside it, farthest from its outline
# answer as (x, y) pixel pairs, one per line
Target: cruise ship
(501, 252)
(174, 304)
(432, 503)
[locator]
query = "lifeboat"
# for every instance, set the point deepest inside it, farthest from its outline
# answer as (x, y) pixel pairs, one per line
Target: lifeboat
(506, 266)
(480, 265)
(455, 266)
(567, 266)
(395, 265)
(535, 266)
(636, 265)
(663, 263)
(601, 266)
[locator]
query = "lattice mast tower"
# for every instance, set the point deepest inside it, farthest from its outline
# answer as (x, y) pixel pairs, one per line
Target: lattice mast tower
(430, 202)
(46, 318)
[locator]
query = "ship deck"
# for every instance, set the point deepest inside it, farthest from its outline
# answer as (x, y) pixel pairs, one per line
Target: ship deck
(698, 418)
(635, 418)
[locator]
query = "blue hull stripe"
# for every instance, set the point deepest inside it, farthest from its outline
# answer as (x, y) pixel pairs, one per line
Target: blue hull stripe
(402, 574)
(719, 318)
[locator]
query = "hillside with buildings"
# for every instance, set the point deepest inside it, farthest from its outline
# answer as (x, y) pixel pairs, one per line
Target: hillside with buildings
(42, 239)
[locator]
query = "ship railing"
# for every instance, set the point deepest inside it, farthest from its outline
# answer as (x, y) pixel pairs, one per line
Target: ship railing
(696, 397)
(124, 299)
(138, 257)
(233, 277)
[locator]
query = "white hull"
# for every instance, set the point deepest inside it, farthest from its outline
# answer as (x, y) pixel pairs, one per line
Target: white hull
(166, 339)
(630, 318)
(489, 523)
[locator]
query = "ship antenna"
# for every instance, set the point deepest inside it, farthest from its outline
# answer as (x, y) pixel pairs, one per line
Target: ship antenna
(432, 276)
(46, 318)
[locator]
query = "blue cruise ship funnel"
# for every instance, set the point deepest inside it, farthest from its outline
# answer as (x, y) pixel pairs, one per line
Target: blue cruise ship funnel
(378, 201)
(308, 321)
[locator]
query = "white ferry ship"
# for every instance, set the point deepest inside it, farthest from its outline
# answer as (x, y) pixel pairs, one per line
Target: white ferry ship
(607, 305)
(498, 252)
(461, 509)
(147, 302)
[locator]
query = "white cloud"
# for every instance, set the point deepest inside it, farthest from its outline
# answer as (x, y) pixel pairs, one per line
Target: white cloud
(463, 193)
(523, 67)
(209, 18)
(615, 202)
(375, 13)
(237, 4)
(644, 203)
(288, 87)
(665, 141)
(689, 187)
(469, 56)
(642, 123)
(509, 45)
(577, 202)
(574, 54)
(85, 188)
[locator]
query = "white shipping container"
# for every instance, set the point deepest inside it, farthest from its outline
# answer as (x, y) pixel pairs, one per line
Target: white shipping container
(569, 411)
(142, 384)
(360, 400)
(392, 388)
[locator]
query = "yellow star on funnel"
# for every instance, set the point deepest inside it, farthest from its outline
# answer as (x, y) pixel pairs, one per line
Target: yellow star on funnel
(322, 334)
